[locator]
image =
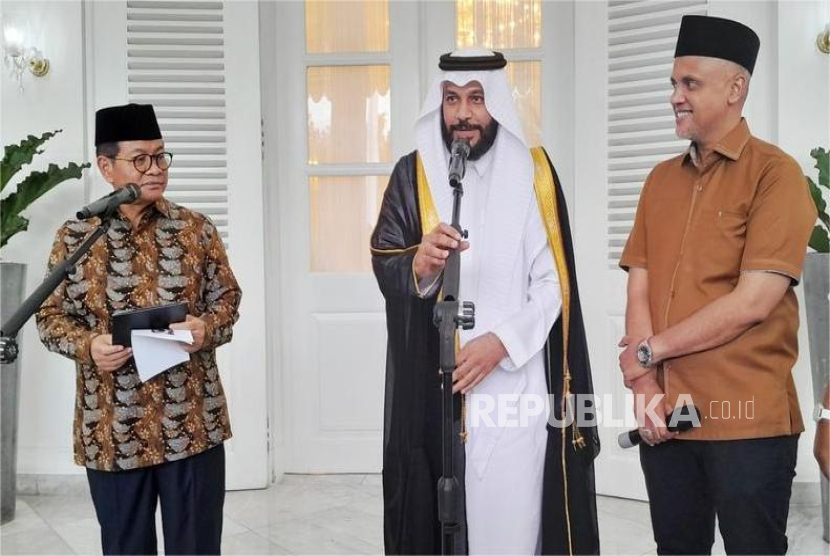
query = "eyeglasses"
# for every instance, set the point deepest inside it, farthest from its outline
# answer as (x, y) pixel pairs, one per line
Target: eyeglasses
(144, 162)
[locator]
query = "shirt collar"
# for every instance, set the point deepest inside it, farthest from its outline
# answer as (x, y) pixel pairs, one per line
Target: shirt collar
(162, 206)
(731, 146)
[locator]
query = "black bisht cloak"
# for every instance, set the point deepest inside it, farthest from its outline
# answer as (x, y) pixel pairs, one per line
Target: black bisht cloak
(412, 413)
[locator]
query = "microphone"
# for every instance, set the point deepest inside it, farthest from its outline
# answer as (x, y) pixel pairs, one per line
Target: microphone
(459, 152)
(685, 417)
(108, 203)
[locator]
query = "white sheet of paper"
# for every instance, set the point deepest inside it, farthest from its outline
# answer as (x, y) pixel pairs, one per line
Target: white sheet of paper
(155, 351)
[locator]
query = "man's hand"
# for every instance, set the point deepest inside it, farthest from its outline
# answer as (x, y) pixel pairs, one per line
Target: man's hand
(645, 389)
(106, 356)
(197, 327)
(434, 249)
(476, 360)
(629, 364)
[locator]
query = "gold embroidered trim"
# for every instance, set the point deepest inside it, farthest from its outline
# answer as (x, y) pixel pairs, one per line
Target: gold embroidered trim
(429, 214)
(543, 183)
(391, 252)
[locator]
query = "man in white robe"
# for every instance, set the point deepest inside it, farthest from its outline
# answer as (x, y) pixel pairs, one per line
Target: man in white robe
(509, 271)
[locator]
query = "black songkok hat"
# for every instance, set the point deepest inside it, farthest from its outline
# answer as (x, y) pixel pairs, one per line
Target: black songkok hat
(130, 122)
(451, 62)
(715, 37)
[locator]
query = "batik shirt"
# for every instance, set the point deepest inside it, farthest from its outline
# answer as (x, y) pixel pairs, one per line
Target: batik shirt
(172, 255)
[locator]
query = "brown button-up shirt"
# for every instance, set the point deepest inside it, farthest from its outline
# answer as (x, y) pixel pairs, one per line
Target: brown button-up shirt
(172, 255)
(746, 209)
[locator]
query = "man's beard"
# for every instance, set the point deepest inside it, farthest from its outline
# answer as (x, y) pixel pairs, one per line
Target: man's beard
(688, 134)
(487, 137)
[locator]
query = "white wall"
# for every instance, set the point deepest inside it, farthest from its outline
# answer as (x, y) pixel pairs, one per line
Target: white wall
(52, 102)
(803, 80)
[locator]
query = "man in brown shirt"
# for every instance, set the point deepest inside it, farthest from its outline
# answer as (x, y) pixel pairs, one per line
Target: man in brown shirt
(711, 319)
(142, 442)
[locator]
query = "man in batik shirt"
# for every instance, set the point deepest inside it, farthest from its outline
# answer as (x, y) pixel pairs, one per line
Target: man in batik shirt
(159, 440)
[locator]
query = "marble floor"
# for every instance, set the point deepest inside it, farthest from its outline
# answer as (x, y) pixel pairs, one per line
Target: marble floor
(325, 514)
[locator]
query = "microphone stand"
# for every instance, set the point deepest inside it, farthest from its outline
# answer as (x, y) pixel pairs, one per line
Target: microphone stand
(449, 315)
(8, 331)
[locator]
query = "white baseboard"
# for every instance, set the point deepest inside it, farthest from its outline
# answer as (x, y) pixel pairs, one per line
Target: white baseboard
(47, 461)
(52, 485)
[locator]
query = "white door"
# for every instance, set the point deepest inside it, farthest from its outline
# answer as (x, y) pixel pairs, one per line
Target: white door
(624, 53)
(197, 63)
(344, 100)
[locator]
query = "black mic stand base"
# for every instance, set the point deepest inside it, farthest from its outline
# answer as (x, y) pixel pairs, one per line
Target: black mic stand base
(8, 350)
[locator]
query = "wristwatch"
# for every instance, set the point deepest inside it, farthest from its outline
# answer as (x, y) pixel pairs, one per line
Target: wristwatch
(821, 413)
(645, 356)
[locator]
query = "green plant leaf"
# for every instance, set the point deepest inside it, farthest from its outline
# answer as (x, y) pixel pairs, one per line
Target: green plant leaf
(10, 226)
(34, 186)
(819, 240)
(821, 204)
(815, 192)
(822, 165)
(17, 156)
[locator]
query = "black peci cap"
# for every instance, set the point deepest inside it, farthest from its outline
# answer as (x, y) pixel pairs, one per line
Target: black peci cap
(130, 122)
(715, 37)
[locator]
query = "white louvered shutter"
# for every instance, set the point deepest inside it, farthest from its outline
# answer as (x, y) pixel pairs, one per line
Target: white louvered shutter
(176, 62)
(641, 40)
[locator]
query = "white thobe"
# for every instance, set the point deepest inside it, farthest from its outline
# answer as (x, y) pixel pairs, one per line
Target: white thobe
(510, 274)
(505, 462)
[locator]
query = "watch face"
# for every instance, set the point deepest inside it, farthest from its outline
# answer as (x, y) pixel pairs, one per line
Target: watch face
(818, 412)
(643, 354)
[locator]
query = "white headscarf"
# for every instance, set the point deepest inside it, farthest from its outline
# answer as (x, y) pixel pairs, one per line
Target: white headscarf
(511, 190)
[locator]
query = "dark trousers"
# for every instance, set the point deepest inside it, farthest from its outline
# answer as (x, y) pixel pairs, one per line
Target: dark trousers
(746, 483)
(191, 492)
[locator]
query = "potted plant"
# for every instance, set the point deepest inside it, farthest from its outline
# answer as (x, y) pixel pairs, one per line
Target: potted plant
(30, 188)
(816, 289)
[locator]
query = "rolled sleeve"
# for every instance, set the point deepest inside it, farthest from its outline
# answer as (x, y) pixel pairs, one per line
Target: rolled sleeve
(780, 221)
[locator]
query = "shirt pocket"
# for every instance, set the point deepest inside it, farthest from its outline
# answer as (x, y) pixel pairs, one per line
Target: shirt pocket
(732, 228)
(723, 235)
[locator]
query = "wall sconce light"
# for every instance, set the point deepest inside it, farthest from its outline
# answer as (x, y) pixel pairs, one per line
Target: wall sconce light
(17, 55)
(823, 40)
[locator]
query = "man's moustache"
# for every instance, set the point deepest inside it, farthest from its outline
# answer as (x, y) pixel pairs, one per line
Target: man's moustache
(478, 128)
